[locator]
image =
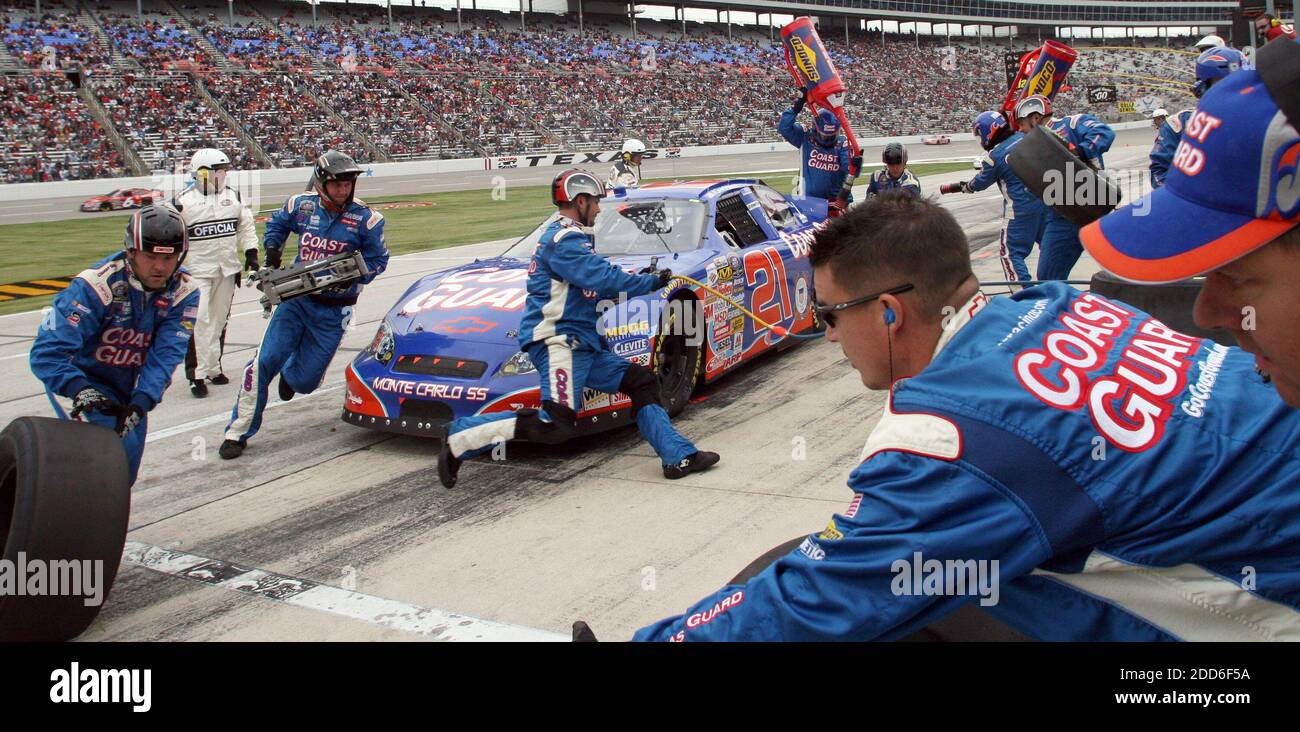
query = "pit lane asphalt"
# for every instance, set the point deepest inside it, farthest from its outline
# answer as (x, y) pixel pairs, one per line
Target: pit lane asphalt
(588, 530)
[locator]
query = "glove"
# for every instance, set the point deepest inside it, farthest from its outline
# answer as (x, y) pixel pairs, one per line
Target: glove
(127, 420)
(665, 276)
(250, 260)
(965, 187)
(93, 400)
(273, 258)
(800, 101)
(855, 165)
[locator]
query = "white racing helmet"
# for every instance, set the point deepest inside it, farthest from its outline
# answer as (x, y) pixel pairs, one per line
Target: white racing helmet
(204, 161)
(1210, 41)
(633, 146)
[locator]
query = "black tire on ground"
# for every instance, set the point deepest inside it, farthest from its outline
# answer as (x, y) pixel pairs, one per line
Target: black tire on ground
(1171, 303)
(64, 496)
(106, 206)
(679, 353)
(1061, 179)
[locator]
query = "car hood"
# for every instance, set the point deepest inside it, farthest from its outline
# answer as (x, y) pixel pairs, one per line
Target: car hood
(483, 301)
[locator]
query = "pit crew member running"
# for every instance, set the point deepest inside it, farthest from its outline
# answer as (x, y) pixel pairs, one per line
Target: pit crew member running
(304, 332)
(559, 334)
(113, 338)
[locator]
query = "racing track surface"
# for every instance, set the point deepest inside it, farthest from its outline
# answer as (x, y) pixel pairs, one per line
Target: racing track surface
(522, 547)
(55, 209)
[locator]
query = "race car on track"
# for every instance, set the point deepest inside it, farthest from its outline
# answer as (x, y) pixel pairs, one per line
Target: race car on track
(936, 140)
(448, 346)
(123, 198)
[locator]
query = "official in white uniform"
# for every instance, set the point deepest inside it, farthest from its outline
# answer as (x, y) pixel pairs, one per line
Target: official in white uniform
(626, 172)
(220, 227)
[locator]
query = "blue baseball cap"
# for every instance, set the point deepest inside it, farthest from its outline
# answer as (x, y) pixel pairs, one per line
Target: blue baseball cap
(1232, 188)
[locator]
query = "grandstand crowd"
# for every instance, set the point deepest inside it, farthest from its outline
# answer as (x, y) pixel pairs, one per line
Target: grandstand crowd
(274, 88)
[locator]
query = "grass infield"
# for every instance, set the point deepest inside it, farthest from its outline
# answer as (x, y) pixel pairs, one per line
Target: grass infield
(58, 248)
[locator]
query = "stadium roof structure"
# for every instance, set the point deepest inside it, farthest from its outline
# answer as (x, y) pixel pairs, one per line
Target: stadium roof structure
(1131, 13)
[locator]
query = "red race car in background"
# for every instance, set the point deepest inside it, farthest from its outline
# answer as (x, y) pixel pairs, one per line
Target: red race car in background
(123, 198)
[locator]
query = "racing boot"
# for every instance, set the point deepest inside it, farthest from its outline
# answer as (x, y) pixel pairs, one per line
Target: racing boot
(696, 462)
(286, 391)
(220, 380)
(198, 388)
(448, 464)
(231, 449)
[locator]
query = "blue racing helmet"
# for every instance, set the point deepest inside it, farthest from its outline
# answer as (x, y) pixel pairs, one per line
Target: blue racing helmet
(1214, 64)
(986, 128)
(826, 128)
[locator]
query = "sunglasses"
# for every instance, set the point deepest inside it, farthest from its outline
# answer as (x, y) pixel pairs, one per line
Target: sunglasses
(827, 313)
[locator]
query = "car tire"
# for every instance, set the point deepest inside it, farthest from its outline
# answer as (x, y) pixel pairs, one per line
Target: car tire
(677, 363)
(147, 201)
(1042, 152)
(65, 494)
(106, 206)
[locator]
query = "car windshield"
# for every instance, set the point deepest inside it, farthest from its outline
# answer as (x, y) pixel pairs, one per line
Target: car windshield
(635, 227)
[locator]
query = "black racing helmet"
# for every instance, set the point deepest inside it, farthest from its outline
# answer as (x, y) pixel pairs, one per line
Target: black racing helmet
(894, 154)
(334, 165)
(157, 228)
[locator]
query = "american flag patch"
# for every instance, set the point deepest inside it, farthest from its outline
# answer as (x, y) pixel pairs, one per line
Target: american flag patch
(192, 312)
(852, 510)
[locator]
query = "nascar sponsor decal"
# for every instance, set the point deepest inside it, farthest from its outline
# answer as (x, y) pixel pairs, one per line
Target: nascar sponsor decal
(429, 389)
(1128, 407)
(627, 348)
(499, 289)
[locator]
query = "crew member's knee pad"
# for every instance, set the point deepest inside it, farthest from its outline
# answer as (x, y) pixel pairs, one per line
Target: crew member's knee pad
(563, 424)
(640, 383)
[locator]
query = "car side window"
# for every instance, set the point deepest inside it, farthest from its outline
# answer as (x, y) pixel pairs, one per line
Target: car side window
(735, 222)
(778, 210)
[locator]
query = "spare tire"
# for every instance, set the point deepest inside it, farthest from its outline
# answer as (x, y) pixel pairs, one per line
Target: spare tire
(1171, 303)
(1061, 179)
(65, 496)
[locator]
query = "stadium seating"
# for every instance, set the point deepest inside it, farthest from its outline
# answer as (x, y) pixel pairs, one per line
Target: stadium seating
(49, 135)
(421, 86)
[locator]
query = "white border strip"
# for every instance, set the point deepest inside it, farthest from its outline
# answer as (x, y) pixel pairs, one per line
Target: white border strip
(438, 625)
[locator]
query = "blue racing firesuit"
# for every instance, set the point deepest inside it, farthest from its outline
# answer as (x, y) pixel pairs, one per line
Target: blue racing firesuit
(1060, 247)
(1162, 154)
(1024, 216)
(105, 331)
(822, 169)
(304, 332)
(558, 332)
(1075, 467)
(882, 183)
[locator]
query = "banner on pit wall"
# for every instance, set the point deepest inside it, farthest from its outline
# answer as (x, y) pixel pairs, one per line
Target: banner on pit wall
(580, 159)
(1127, 108)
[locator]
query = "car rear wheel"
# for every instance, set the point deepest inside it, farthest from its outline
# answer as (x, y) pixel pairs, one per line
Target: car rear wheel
(679, 353)
(65, 498)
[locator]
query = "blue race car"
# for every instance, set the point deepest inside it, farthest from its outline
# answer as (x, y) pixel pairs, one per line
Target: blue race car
(448, 347)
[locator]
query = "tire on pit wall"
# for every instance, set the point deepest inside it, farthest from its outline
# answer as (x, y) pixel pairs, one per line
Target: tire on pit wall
(1170, 303)
(64, 495)
(1041, 152)
(678, 360)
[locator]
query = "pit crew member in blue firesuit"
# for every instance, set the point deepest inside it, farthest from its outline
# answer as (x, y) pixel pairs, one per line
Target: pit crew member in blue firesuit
(1212, 65)
(894, 176)
(1024, 216)
(824, 152)
(558, 332)
(113, 338)
(1229, 212)
(980, 489)
(305, 331)
(1089, 138)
